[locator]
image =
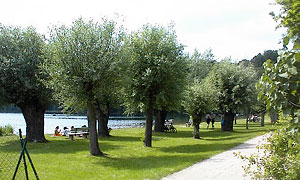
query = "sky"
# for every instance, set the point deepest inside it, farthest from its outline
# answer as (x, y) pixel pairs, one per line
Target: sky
(239, 29)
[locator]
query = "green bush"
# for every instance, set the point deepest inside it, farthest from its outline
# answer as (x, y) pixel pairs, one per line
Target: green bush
(281, 156)
(6, 130)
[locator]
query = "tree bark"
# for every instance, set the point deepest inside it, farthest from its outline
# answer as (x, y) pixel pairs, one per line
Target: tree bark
(160, 120)
(262, 121)
(103, 116)
(228, 117)
(196, 134)
(34, 117)
(149, 123)
(196, 123)
(94, 146)
(235, 118)
(247, 121)
(273, 116)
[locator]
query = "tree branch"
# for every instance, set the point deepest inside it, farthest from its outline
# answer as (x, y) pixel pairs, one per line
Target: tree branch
(294, 104)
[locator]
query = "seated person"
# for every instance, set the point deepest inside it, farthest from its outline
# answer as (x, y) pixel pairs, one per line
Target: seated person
(66, 131)
(57, 131)
(189, 123)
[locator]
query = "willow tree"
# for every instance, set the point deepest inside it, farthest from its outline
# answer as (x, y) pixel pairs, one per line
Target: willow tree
(157, 66)
(236, 89)
(200, 98)
(83, 67)
(20, 55)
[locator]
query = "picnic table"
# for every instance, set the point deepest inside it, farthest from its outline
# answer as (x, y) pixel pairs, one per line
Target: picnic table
(81, 132)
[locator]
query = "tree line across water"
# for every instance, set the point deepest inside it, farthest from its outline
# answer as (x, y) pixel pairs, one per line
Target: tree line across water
(95, 66)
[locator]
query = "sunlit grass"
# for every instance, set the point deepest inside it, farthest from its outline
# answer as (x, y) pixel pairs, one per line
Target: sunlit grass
(127, 158)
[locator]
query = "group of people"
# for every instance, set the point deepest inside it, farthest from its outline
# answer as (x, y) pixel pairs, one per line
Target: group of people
(58, 132)
(210, 117)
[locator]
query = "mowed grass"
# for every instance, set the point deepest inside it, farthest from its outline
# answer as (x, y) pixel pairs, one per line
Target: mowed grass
(127, 158)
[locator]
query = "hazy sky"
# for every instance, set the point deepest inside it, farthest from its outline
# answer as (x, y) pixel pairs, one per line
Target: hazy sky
(237, 28)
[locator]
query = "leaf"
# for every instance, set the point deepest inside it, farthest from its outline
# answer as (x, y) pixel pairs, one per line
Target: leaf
(286, 40)
(284, 75)
(293, 70)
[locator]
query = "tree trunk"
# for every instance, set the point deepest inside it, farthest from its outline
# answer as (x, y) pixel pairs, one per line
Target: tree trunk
(273, 116)
(235, 118)
(103, 116)
(228, 117)
(247, 121)
(160, 120)
(149, 123)
(94, 146)
(262, 120)
(196, 123)
(196, 134)
(34, 117)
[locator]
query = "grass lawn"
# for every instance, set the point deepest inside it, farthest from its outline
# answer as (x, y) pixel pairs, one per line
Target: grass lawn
(127, 158)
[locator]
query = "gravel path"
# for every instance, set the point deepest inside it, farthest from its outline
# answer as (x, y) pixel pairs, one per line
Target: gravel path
(224, 166)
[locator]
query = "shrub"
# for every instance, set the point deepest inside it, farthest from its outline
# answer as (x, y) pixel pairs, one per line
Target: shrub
(281, 156)
(6, 130)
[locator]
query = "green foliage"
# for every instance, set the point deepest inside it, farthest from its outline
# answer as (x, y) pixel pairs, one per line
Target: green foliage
(289, 17)
(280, 158)
(20, 55)
(6, 130)
(236, 86)
(200, 97)
(258, 60)
(281, 84)
(201, 64)
(280, 90)
(84, 59)
(158, 69)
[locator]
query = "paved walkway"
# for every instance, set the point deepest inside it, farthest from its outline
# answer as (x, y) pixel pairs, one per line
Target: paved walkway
(224, 166)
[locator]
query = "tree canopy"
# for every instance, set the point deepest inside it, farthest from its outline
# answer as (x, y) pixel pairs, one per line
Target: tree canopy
(236, 89)
(289, 17)
(201, 64)
(21, 53)
(83, 67)
(157, 72)
(200, 98)
(281, 80)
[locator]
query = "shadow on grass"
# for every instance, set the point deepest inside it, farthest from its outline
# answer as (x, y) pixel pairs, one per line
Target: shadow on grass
(176, 155)
(196, 148)
(252, 124)
(64, 146)
(120, 138)
(187, 133)
(55, 146)
(148, 162)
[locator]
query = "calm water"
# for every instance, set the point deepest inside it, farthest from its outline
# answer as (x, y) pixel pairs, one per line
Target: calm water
(16, 120)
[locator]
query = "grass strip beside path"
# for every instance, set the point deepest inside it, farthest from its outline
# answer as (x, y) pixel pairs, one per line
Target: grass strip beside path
(127, 158)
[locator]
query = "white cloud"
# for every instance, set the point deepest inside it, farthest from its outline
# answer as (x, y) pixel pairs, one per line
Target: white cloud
(236, 28)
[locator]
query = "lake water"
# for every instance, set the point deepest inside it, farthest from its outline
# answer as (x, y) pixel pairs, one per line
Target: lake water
(17, 121)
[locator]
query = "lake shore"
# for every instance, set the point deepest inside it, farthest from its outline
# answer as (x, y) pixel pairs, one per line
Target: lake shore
(16, 120)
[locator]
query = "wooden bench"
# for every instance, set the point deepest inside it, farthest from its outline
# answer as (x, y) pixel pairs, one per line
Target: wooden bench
(83, 132)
